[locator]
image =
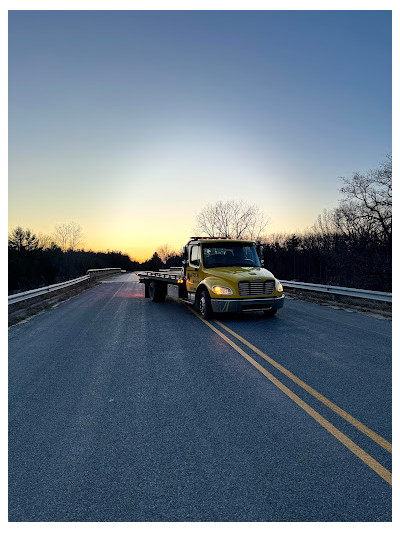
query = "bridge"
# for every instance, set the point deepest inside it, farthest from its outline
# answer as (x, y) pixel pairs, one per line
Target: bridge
(125, 410)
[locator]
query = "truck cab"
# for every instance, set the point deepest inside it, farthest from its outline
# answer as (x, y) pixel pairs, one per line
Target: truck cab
(227, 275)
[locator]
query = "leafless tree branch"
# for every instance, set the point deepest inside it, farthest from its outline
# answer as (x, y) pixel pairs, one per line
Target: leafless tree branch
(233, 219)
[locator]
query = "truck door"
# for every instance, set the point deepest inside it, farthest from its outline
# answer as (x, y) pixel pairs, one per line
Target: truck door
(192, 269)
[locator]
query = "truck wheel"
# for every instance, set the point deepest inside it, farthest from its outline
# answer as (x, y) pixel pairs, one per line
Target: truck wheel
(270, 312)
(204, 303)
(157, 292)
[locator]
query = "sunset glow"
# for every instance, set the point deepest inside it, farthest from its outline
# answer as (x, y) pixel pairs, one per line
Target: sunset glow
(139, 120)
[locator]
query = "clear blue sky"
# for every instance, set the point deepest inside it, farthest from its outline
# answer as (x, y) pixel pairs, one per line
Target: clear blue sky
(129, 122)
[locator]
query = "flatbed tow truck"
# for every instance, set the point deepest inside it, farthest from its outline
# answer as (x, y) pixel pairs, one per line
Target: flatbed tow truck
(218, 275)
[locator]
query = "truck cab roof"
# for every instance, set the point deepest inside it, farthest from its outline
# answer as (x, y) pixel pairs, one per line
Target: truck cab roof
(212, 240)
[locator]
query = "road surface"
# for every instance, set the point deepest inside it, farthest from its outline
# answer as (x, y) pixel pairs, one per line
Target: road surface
(125, 410)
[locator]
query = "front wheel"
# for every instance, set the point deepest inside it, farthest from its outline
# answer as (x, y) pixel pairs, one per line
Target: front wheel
(270, 312)
(205, 308)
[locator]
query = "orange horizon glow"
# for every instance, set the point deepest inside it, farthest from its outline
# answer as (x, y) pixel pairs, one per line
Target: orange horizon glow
(121, 122)
(128, 239)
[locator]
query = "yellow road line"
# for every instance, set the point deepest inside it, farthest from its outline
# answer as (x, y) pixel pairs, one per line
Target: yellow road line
(352, 446)
(356, 423)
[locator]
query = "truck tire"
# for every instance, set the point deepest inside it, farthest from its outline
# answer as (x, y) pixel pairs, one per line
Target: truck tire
(270, 312)
(157, 291)
(204, 305)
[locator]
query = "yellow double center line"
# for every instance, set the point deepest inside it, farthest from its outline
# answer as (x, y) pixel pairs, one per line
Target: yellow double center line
(352, 446)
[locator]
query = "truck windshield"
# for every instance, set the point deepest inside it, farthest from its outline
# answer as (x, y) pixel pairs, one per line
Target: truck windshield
(229, 254)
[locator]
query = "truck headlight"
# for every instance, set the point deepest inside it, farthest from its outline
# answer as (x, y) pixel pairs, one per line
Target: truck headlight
(279, 286)
(218, 289)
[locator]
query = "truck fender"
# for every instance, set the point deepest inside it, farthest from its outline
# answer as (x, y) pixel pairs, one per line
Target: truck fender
(201, 287)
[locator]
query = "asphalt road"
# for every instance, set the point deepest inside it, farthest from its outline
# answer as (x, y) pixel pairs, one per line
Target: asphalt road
(125, 410)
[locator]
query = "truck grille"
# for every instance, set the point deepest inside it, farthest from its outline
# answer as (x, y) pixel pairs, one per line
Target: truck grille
(257, 288)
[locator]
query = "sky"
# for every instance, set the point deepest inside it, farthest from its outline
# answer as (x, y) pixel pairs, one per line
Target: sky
(130, 122)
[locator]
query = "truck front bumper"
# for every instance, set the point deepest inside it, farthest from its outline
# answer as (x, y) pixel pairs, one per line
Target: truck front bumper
(225, 305)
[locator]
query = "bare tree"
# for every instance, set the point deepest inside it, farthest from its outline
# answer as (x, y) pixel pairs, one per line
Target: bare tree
(275, 238)
(366, 210)
(45, 241)
(68, 236)
(233, 219)
(324, 224)
(369, 198)
(165, 252)
(76, 236)
(60, 236)
(347, 220)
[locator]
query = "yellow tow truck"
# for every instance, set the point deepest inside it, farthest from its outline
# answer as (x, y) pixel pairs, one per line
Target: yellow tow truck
(218, 275)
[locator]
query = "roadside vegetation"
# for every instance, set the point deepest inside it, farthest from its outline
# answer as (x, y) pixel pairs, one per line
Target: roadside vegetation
(36, 260)
(350, 245)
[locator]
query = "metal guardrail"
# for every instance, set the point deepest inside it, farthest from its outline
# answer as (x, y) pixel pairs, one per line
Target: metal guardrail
(330, 289)
(14, 298)
(43, 291)
(93, 273)
(103, 270)
(343, 291)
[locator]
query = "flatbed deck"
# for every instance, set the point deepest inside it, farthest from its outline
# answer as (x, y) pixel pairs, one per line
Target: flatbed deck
(171, 276)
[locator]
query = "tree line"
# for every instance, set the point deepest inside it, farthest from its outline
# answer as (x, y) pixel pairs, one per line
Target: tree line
(350, 245)
(331, 259)
(31, 266)
(37, 260)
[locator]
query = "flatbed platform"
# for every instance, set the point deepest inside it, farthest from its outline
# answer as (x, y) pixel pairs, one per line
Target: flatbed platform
(171, 276)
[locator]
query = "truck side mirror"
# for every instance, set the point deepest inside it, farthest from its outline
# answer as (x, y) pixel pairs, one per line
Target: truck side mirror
(260, 253)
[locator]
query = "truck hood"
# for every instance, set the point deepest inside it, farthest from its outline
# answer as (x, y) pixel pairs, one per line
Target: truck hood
(239, 273)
